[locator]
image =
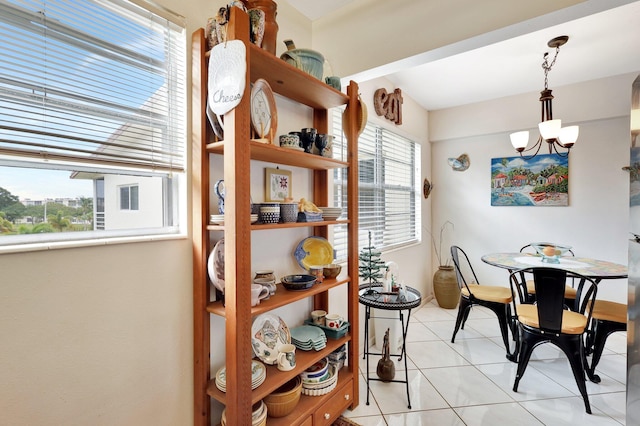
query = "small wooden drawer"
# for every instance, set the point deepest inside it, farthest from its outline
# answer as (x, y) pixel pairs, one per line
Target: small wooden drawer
(307, 422)
(330, 410)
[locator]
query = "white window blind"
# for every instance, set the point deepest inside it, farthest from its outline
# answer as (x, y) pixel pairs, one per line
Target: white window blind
(91, 82)
(389, 170)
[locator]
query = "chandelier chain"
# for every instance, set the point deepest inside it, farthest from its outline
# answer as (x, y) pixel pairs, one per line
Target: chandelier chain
(546, 66)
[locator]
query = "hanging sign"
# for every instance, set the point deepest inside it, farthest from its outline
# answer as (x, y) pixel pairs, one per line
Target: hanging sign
(388, 104)
(227, 76)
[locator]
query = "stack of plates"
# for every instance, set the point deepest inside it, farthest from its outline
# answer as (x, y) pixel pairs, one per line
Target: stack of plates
(258, 374)
(331, 213)
(258, 415)
(217, 219)
(307, 337)
(321, 378)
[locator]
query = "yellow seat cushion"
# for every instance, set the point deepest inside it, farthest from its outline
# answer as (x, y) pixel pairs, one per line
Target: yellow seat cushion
(489, 293)
(610, 311)
(569, 292)
(572, 322)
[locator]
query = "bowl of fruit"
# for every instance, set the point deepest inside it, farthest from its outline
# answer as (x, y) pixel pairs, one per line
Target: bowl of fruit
(551, 253)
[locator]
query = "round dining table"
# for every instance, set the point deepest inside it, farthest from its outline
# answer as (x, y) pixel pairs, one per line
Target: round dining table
(591, 268)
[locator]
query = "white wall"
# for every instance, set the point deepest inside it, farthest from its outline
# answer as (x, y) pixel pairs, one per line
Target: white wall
(596, 221)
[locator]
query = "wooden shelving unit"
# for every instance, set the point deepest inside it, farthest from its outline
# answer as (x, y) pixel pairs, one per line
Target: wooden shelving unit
(238, 150)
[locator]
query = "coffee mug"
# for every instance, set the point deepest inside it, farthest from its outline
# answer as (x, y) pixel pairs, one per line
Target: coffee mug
(318, 317)
(317, 271)
(258, 293)
(334, 321)
(287, 357)
(268, 283)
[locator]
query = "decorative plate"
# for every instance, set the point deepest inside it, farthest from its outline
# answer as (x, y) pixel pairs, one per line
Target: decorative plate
(314, 251)
(361, 116)
(227, 74)
(264, 116)
(216, 122)
(215, 265)
(268, 333)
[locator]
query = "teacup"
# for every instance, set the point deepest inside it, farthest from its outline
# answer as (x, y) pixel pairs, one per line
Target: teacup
(318, 317)
(334, 82)
(290, 140)
(265, 273)
(258, 293)
(334, 321)
(316, 271)
(268, 283)
(286, 357)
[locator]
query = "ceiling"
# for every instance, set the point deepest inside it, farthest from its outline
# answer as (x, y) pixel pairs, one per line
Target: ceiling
(604, 39)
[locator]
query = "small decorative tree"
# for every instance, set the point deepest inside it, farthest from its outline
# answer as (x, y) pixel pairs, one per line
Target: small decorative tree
(370, 265)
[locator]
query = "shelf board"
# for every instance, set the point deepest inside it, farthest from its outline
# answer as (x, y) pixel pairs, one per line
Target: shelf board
(263, 226)
(275, 154)
(282, 297)
(276, 378)
(288, 81)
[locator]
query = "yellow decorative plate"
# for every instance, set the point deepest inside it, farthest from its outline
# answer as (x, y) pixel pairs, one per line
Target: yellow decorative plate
(314, 251)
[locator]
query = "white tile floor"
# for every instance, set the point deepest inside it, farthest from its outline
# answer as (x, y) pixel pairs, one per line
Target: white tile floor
(470, 382)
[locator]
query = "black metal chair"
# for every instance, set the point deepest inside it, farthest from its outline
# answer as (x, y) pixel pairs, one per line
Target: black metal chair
(607, 318)
(496, 298)
(547, 321)
(570, 291)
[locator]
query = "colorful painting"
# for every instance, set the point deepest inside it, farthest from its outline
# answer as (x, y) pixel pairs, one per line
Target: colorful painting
(540, 181)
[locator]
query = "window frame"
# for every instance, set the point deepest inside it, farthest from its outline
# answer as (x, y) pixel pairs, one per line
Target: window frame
(169, 30)
(381, 168)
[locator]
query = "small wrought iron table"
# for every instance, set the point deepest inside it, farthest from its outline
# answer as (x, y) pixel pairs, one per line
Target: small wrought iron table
(373, 297)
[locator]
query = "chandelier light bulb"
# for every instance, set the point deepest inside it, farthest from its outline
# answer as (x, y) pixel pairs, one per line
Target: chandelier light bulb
(550, 129)
(519, 140)
(568, 136)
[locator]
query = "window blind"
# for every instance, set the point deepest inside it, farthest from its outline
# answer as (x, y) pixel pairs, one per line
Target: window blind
(389, 170)
(97, 84)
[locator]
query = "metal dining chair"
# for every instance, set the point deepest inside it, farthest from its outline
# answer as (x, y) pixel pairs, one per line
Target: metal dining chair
(569, 292)
(607, 318)
(547, 321)
(496, 298)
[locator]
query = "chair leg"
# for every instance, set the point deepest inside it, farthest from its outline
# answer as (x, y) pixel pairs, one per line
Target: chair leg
(465, 317)
(596, 341)
(503, 312)
(574, 350)
(525, 348)
(463, 312)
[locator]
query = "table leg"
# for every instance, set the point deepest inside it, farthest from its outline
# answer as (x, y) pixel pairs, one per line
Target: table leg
(367, 315)
(405, 329)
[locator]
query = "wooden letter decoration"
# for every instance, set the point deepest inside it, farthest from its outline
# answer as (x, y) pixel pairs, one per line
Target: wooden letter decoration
(388, 104)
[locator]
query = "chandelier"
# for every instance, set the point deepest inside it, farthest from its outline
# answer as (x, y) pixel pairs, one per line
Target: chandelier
(559, 139)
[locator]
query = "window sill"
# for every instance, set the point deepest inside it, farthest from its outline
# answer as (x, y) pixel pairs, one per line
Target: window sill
(29, 247)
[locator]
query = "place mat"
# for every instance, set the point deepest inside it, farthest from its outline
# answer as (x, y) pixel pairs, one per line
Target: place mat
(564, 262)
